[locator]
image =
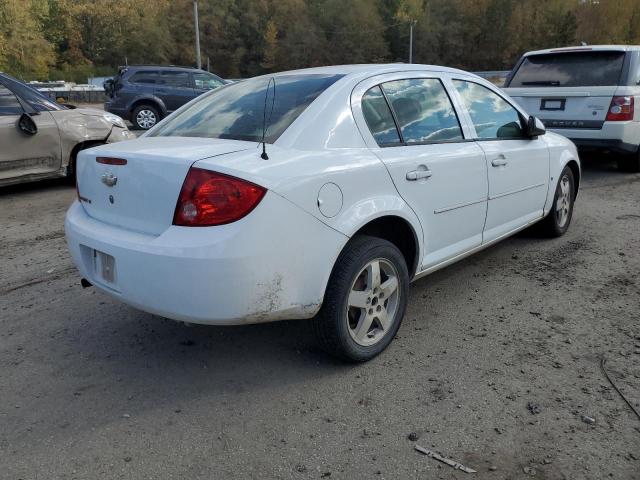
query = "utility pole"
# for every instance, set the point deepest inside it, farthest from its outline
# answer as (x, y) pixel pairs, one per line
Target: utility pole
(195, 19)
(411, 24)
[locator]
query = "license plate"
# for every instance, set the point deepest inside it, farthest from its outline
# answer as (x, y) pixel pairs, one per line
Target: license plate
(549, 104)
(104, 266)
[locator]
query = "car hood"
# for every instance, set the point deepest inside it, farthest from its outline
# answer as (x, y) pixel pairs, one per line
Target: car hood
(83, 123)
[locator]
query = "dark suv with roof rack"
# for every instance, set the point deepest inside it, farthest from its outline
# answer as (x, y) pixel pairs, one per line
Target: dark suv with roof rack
(146, 94)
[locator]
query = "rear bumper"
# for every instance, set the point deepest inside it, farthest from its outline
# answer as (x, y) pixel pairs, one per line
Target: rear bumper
(271, 265)
(604, 144)
(619, 137)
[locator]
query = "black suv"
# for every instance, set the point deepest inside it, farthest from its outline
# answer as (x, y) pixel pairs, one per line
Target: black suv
(145, 94)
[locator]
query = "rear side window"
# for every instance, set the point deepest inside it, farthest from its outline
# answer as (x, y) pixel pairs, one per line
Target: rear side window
(150, 77)
(570, 69)
(237, 111)
(174, 79)
(379, 118)
(423, 111)
(492, 116)
(9, 104)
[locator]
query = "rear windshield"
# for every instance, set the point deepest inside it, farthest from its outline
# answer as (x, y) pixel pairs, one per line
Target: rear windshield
(570, 69)
(237, 111)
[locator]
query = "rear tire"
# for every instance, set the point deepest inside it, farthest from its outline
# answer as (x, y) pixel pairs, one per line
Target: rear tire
(145, 116)
(365, 300)
(629, 163)
(557, 221)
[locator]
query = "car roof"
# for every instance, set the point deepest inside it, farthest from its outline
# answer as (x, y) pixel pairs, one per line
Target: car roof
(369, 70)
(585, 48)
(160, 67)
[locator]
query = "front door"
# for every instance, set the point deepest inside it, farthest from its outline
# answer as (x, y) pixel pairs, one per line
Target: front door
(440, 174)
(21, 153)
(518, 166)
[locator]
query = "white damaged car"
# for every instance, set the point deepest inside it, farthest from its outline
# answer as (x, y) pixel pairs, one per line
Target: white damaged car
(316, 194)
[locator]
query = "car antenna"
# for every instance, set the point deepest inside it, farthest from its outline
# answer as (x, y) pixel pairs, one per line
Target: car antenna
(265, 122)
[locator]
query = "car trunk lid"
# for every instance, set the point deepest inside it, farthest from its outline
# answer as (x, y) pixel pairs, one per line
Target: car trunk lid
(135, 184)
(566, 107)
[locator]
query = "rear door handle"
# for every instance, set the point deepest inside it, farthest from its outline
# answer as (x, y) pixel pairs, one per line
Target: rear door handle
(499, 161)
(418, 174)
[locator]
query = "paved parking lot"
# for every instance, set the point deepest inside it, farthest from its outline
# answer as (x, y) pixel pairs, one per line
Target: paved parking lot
(496, 364)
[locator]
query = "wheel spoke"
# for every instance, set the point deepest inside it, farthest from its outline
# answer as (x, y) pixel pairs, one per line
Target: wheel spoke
(373, 275)
(383, 317)
(559, 205)
(363, 327)
(389, 286)
(358, 298)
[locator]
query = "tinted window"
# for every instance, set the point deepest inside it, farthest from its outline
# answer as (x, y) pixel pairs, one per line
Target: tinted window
(379, 119)
(9, 104)
(492, 116)
(236, 111)
(207, 81)
(423, 110)
(569, 69)
(174, 79)
(148, 77)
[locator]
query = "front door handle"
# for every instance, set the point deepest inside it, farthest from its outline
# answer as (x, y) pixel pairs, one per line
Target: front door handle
(499, 161)
(418, 174)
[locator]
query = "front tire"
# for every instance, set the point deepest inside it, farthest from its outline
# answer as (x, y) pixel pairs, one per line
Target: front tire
(365, 300)
(558, 220)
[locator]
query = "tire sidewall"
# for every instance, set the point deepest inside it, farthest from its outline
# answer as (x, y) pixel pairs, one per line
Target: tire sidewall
(377, 249)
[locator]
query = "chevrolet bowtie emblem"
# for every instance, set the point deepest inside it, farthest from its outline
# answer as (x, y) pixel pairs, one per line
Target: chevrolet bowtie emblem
(109, 179)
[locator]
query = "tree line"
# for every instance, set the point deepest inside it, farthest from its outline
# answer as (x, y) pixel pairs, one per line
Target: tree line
(74, 39)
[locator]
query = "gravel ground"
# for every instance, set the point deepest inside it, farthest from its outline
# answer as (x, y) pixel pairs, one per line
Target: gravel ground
(496, 364)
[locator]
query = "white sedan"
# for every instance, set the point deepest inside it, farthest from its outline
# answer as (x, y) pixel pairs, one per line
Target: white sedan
(316, 194)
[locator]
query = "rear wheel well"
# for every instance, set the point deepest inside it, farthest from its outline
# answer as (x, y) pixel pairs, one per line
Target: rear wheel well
(399, 232)
(573, 165)
(146, 101)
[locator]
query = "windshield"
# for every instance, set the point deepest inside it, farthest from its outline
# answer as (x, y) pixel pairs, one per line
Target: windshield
(236, 111)
(570, 69)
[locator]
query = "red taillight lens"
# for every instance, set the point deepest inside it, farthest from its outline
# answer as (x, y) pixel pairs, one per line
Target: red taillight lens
(621, 109)
(209, 198)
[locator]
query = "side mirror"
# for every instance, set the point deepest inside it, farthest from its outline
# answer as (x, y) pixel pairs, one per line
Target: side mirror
(27, 125)
(535, 127)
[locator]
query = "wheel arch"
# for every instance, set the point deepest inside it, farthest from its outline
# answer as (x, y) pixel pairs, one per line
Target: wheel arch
(153, 101)
(575, 169)
(400, 232)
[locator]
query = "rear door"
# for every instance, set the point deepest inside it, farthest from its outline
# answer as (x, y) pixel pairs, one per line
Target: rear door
(439, 173)
(21, 153)
(204, 81)
(174, 88)
(517, 166)
(570, 89)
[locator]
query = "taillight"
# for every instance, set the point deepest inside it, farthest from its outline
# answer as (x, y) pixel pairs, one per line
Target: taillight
(210, 198)
(621, 109)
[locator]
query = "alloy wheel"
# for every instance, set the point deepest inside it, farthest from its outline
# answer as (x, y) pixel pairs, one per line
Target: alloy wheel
(373, 302)
(146, 119)
(563, 202)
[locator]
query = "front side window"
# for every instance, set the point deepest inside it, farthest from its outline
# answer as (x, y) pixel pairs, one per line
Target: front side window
(237, 111)
(423, 110)
(207, 81)
(9, 104)
(492, 116)
(379, 118)
(569, 69)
